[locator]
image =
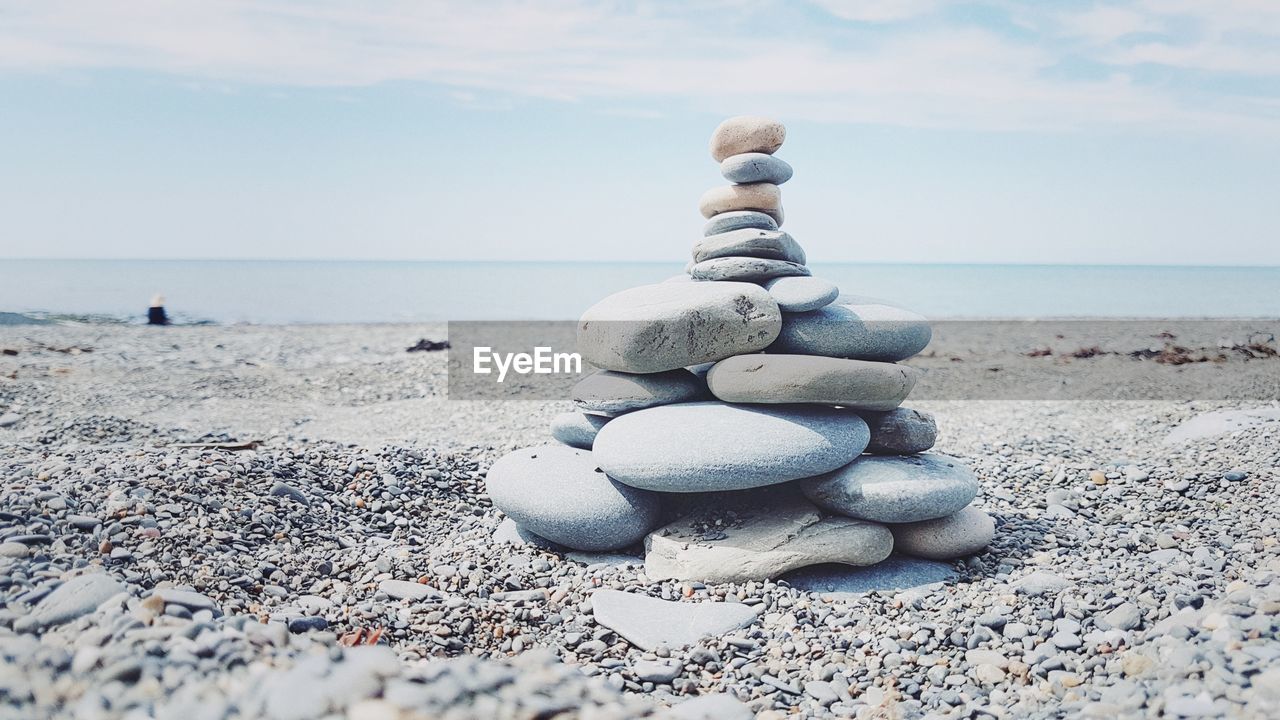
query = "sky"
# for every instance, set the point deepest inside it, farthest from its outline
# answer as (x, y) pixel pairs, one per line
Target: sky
(1134, 132)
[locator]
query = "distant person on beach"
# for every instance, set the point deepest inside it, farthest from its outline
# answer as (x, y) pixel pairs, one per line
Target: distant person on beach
(156, 314)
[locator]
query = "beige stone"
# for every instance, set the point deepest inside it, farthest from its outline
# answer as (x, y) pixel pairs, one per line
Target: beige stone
(964, 533)
(761, 197)
(746, 134)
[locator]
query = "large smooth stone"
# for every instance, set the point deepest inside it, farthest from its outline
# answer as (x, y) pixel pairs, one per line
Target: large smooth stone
(801, 294)
(761, 197)
(746, 134)
(738, 220)
(964, 533)
(737, 540)
(610, 393)
(755, 167)
(650, 623)
(577, 429)
(660, 327)
(902, 431)
(560, 493)
(78, 596)
(694, 447)
(745, 269)
(750, 242)
(897, 573)
(854, 327)
(773, 379)
(893, 488)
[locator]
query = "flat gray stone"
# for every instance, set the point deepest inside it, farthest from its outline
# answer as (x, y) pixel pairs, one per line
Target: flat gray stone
(759, 535)
(512, 534)
(561, 494)
(737, 220)
(577, 429)
(750, 242)
(660, 327)
(657, 671)
(408, 590)
(801, 293)
(782, 379)
(744, 269)
(611, 393)
(695, 447)
(1126, 616)
(1041, 583)
(754, 168)
(898, 572)
(895, 488)
(9, 419)
(186, 598)
(649, 623)
(854, 327)
(961, 534)
(78, 596)
(718, 706)
(901, 431)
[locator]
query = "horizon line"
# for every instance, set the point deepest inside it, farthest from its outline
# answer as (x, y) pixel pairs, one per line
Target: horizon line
(630, 262)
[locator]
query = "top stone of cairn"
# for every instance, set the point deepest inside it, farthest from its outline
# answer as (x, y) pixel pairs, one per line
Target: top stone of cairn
(746, 134)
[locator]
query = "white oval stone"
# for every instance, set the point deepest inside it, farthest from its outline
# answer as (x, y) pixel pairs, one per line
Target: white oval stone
(560, 493)
(959, 535)
(893, 488)
(774, 379)
(854, 327)
(695, 447)
(746, 134)
(760, 197)
(660, 327)
(801, 293)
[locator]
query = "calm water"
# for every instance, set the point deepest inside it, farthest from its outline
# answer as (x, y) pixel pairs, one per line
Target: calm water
(358, 292)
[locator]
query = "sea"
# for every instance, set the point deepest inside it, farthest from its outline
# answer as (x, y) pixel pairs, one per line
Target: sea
(291, 291)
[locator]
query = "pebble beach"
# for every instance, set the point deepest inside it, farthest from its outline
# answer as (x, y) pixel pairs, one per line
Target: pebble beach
(292, 522)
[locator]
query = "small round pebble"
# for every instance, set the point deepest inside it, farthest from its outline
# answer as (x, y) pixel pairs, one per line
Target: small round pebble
(746, 134)
(801, 294)
(755, 167)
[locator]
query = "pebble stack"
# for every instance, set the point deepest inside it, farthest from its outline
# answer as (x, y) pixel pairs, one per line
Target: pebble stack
(746, 419)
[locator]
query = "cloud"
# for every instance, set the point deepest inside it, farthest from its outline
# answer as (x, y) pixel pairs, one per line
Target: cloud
(857, 65)
(878, 11)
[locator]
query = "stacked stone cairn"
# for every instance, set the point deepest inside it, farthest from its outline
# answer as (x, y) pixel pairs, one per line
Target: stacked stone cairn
(746, 419)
